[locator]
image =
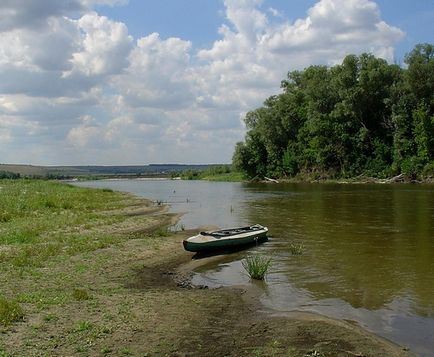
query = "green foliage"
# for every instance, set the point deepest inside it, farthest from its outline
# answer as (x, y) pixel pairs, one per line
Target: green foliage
(9, 175)
(361, 117)
(256, 266)
(213, 173)
(428, 170)
(10, 311)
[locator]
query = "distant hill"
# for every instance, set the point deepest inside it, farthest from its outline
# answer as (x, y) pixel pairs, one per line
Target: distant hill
(80, 171)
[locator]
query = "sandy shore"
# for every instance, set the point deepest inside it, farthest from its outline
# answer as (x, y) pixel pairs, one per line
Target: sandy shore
(140, 302)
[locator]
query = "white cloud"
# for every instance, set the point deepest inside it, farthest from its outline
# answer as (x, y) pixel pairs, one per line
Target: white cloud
(105, 46)
(158, 75)
(77, 81)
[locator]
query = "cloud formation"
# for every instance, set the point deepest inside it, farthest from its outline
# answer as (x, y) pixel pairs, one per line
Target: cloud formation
(76, 88)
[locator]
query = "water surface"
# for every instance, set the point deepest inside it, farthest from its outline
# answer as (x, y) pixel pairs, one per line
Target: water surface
(368, 249)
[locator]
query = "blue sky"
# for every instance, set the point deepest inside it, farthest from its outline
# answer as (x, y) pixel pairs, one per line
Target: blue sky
(198, 20)
(117, 82)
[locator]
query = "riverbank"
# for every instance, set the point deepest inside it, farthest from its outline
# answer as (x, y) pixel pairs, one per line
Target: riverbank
(96, 272)
(308, 178)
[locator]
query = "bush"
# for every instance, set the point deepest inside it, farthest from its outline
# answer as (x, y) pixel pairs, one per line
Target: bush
(428, 170)
(411, 167)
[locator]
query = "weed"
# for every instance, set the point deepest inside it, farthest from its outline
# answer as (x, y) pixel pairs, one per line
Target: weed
(159, 233)
(177, 228)
(126, 352)
(314, 353)
(257, 266)
(5, 217)
(10, 312)
(296, 248)
(50, 317)
(107, 330)
(3, 353)
(50, 204)
(80, 294)
(67, 205)
(106, 350)
(83, 326)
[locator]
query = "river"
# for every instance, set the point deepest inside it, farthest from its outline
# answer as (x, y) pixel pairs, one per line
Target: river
(368, 250)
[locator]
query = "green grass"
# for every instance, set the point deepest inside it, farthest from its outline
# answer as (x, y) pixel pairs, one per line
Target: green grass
(10, 311)
(257, 266)
(41, 220)
(225, 177)
(83, 326)
(80, 294)
(45, 224)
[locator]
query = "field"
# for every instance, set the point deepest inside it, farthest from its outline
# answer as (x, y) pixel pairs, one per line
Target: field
(95, 172)
(95, 272)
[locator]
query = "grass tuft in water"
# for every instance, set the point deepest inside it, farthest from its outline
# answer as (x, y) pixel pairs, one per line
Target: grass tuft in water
(257, 266)
(296, 248)
(10, 312)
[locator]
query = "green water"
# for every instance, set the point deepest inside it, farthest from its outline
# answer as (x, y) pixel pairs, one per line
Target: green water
(368, 250)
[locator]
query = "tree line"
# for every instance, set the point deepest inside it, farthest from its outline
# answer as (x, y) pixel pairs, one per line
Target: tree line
(361, 117)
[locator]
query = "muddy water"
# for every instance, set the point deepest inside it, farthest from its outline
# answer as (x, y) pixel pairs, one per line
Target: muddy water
(368, 250)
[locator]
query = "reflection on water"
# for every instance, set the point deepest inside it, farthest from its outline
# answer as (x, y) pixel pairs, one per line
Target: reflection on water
(368, 256)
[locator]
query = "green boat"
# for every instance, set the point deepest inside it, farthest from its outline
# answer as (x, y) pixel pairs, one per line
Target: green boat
(225, 238)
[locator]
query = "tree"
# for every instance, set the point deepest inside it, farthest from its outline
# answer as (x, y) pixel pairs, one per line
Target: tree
(363, 116)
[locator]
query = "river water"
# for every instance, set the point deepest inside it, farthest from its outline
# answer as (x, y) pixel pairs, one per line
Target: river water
(368, 251)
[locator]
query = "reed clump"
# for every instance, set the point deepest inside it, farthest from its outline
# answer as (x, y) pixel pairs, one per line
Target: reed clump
(257, 266)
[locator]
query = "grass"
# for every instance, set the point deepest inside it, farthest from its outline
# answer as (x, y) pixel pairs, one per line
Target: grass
(225, 177)
(257, 266)
(10, 311)
(296, 248)
(42, 220)
(80, 295)
(83, 326)
(44, 224)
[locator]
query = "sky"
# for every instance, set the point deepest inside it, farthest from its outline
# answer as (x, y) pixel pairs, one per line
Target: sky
(117, 82)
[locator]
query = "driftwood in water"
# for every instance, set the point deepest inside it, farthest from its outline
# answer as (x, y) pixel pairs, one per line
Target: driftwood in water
(270, 179)
(398, 178)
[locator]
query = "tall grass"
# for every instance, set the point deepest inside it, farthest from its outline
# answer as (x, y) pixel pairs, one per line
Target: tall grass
(257, 266)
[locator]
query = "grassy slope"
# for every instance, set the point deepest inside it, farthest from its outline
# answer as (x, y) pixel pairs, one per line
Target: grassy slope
(52, 239)
(42, 220)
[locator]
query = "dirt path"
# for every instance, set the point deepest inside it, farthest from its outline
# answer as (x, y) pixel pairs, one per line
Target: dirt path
(133, 300)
